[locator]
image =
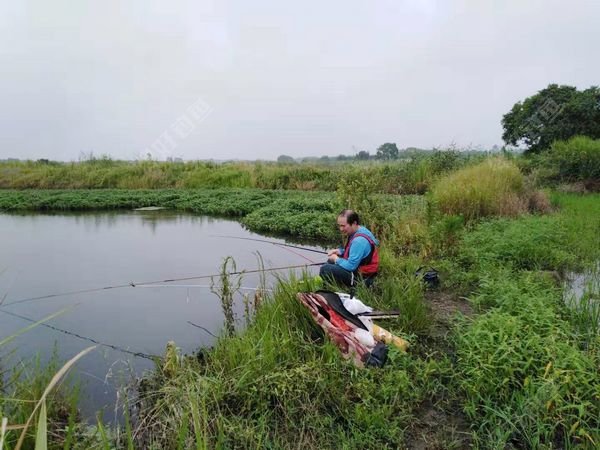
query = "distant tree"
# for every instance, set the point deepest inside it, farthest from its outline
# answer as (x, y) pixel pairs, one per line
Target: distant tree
(387, 151)
(342, 158)
(285, 159)
(363, 155)
(324, 159)
(554, 113)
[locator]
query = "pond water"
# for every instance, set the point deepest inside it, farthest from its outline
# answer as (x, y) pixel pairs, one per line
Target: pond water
(582, 294)
(43, 254)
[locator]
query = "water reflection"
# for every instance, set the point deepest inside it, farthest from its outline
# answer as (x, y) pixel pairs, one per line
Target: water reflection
(582, 296)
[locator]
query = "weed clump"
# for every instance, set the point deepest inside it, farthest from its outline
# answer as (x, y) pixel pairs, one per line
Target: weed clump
(576, 161)
(494, 187)
(519, 365)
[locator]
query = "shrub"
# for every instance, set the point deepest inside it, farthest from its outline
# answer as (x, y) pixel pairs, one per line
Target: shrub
(494, 187)
(577, 159)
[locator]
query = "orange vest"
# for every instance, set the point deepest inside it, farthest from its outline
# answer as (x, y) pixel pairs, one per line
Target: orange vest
(370, 264)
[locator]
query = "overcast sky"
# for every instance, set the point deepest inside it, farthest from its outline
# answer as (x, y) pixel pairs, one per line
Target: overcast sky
(255, 79)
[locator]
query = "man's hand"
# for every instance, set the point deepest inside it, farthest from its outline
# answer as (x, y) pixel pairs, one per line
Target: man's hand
(332, 255)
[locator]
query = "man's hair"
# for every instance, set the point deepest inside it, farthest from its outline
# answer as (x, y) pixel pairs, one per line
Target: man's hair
(351, 216)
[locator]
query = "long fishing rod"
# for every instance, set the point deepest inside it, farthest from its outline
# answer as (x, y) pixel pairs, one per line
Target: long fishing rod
(196, 286)
(132, 284)
(322, 252)
(85, 338)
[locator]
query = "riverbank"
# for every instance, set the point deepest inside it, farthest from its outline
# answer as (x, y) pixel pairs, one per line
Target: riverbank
(514, 366)
(497, 358)
(302, 215)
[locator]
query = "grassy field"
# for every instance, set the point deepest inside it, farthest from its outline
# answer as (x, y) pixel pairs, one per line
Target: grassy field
(502, 356)
(407, 176)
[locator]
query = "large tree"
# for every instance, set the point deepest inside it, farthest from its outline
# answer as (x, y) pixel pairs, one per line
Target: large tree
(363, 155)
(554, 113)
(285, 159)
(387, 151)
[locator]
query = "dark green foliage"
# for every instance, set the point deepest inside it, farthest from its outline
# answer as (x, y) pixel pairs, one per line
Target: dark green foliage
(526, 367)
(387, 151)
(577, 159)
(305, 215)
(285, 159)
(531, 243)
(363, 155)
(442, 161)
(554, 113)
(302, 214)
(524, 377)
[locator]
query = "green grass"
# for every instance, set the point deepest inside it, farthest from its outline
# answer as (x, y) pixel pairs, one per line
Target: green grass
(408, 176)
(574, 161)
(522, 371)
(31, 393)
(280, 385)
(494, 187)
(304, 215)
(526, 370)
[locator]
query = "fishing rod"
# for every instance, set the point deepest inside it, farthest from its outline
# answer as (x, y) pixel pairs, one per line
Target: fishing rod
(85, 338)
(169, 280)
(196, 286)
(322, 252)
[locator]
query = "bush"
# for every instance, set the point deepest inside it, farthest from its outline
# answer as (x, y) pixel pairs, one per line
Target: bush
(494, 187)
(577, 159)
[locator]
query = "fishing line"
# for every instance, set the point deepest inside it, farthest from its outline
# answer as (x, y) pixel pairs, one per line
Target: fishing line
(85, 338)
(170, 280)
(271, 242)
(296, 253)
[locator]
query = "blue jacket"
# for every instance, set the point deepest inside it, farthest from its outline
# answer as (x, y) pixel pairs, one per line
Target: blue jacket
(359, 250)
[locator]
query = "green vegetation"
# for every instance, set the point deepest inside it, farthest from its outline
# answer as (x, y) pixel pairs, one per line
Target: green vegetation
(575, 162)
(411, 175)
(554, 113)
(520, 372)
(279, 384)
(30, 390)
(494, 187)
(500, 356)
(527, 365)
(301, 214)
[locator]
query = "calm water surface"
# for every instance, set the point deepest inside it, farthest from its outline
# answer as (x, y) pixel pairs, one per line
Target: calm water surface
(45, 254)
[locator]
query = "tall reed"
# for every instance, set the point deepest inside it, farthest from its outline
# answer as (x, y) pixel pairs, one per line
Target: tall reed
(226, 288)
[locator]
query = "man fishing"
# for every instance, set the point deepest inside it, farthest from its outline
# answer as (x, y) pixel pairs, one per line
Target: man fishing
(358, 259)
